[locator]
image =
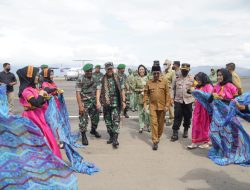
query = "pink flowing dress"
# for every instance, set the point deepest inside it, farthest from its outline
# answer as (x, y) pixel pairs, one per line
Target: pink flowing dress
(36, 115)
(227, 91)
(201, 119)
(51, 86)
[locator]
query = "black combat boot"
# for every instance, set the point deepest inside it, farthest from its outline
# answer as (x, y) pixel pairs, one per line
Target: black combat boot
(125, 113)
(185, 133)
(110, 138)
(84, 139)
(115, 141)
(95, 133)
(175, 136)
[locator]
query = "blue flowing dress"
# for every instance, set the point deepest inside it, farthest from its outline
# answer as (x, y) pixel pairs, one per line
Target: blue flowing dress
(231, 143)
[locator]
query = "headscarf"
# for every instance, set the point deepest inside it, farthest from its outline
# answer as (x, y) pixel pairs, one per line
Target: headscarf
(146, 72)
(27, 77)
(203, 78)
(227, 76)
(46, 75)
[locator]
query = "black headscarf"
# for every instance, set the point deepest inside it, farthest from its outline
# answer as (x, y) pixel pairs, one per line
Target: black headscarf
(27, 77)
(227, 76)
(46, 75)
(146, 72)
(203, 78)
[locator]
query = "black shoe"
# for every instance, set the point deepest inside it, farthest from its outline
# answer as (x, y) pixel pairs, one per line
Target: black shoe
(84, 139)
(155, 146)
(110, 138)
(174, 136)
(115, 141)
(126, 115)
(95, 133)
(185, 134)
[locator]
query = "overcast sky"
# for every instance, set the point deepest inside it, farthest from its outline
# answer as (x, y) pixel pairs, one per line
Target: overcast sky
(200, 32)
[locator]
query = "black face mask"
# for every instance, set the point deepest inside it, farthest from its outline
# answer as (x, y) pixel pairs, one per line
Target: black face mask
(8, 69)
(184, 73)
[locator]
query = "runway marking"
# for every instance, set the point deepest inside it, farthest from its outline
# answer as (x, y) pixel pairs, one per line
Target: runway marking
(130, 117)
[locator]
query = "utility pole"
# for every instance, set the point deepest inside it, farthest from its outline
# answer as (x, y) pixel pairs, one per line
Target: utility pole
(82, 60)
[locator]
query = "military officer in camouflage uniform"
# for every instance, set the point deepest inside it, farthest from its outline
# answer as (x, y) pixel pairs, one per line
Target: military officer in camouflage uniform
(110, 93)
(86, 99)
(98, 74)
(131, 83)
(124, 80)
(135, 94)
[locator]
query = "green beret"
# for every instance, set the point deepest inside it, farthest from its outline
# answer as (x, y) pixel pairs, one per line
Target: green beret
(44, 66)
(87, 67)
(121, 66)
(98, 66)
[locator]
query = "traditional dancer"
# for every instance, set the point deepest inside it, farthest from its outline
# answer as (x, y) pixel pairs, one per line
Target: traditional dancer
(49, 85)
(231, 143)
(201, 119)
(34, 103)
(26, 160)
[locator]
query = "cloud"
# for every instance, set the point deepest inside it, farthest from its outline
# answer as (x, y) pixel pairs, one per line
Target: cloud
(133, 31)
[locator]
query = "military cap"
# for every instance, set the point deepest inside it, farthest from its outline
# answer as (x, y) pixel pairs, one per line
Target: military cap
(185, 66)
(97, 66)
(109, 65)
(87, 67)
(44, 66)
(121, 66)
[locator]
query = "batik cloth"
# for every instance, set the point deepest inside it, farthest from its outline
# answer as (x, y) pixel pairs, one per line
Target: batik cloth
(26, 160)
(59, 124)
(231, 143)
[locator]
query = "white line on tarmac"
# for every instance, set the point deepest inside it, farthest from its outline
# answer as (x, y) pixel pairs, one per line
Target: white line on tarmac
(130, 117)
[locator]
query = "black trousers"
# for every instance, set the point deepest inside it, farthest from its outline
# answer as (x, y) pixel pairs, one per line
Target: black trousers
(182, 110)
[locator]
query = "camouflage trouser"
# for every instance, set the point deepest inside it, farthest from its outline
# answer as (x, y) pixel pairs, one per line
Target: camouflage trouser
(93, 113)
(143, 117)
(133, 100)
(127, 102)
(111, 118)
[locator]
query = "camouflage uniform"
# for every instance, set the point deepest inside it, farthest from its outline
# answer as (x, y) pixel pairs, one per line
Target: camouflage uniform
(111, 112)
(98, 76)
(131, 83)
(124, 80)
(140, 83)
(135, 94)
(87, 87)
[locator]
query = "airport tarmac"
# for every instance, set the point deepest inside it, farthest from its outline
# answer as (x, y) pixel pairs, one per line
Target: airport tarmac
(134, 166)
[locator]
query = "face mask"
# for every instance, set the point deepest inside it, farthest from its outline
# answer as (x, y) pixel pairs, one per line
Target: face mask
(166, 67)
(8, 69)
(184, 73)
